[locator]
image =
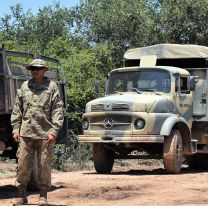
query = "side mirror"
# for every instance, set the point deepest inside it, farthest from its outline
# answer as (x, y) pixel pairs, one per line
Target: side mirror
(97, 88)
(106, 86)
(192, 82)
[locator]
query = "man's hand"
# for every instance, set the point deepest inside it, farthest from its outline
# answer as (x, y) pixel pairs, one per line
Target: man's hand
(51, 139)
(16, 137)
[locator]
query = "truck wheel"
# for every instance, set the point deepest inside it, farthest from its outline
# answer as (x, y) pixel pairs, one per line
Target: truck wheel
(173, 152)
(34, 183)
(103, 159)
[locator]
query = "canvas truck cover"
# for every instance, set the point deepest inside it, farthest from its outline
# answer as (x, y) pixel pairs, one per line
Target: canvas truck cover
(194, 55)
(168, 51)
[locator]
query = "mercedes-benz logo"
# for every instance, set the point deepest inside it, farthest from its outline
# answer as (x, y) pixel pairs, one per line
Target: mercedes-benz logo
(108, 123)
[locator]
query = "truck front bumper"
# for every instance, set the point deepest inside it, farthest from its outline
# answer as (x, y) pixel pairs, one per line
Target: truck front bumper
(121, 139)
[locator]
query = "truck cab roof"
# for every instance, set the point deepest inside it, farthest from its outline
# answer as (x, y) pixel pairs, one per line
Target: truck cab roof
(172, 70)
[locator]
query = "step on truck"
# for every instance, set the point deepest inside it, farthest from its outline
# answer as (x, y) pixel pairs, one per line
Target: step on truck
(156, 106)
(12, 75)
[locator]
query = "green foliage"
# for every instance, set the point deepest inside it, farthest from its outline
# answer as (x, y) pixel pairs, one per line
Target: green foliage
(72, 156)
(83, 69)
(184, 21)
(83, 66)
(119, 24)
(35, 33)
(122, 24)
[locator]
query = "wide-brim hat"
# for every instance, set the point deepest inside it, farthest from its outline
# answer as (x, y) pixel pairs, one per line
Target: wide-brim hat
(37, 63)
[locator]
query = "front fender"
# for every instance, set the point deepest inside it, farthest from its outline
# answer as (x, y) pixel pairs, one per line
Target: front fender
(169, 124)
(181, 124)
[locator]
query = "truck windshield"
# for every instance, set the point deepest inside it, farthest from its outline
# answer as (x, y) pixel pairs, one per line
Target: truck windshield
(144, 80)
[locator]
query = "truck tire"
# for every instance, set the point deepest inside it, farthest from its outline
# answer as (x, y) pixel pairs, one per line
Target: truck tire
(198, 161)
(173, 152)
(103, 159)
(34, 183)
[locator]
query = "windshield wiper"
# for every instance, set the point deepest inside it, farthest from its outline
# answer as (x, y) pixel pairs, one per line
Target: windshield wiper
(152, 90)
(136, 90)
(116, 92)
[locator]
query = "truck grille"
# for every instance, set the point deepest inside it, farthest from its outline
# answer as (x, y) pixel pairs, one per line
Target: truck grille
(120, 107)
(97, 107)
(111, 122)
(109, 107)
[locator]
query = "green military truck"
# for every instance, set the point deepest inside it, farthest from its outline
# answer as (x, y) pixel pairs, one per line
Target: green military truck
(156, 106)
(12, 75)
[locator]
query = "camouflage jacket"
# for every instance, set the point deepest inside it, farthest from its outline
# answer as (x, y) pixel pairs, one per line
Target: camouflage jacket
(38, 110)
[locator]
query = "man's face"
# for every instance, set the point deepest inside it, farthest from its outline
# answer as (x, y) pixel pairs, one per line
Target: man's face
(38, 72)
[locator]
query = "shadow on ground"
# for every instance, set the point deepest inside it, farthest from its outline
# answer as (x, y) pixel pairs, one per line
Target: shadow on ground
(158, 171)
(10, 191)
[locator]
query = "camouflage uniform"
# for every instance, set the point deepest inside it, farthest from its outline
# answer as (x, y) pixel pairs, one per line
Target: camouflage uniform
(38, 111)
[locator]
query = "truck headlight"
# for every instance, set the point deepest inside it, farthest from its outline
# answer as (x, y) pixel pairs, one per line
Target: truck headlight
(85, 124)
(139, 124)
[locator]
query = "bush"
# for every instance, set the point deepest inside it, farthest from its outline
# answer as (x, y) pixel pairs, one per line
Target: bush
(73, 156)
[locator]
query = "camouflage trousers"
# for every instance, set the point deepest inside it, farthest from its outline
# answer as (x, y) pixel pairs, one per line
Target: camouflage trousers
(25, 155)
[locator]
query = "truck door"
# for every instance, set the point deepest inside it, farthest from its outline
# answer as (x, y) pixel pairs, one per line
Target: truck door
(184, 103)
(200, 96)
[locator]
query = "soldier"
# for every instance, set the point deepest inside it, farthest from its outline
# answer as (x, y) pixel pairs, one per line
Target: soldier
(36, 119)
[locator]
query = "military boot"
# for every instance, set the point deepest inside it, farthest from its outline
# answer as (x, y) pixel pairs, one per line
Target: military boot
(43, 196)
(22, 199)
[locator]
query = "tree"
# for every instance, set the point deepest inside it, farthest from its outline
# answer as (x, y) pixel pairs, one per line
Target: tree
(83, 68)
(184, 21)
(118, 24)
(35, 32)
(122, 24)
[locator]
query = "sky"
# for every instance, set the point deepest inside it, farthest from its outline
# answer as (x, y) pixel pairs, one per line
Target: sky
(33, 4)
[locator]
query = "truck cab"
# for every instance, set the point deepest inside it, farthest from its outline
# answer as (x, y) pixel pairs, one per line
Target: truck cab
(150, 106)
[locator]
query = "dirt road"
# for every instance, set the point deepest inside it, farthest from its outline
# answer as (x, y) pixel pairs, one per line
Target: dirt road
(124, 187)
